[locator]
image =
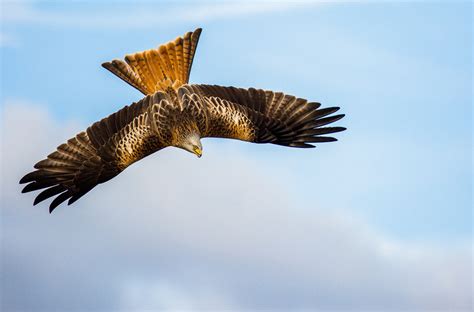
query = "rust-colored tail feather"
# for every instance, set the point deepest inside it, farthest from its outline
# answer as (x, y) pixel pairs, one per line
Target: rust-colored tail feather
(152, 70)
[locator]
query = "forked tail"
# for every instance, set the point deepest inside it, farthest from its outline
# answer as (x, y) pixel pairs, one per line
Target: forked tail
(152, 70)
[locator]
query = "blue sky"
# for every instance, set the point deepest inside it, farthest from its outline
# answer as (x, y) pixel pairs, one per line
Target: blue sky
(400, 71)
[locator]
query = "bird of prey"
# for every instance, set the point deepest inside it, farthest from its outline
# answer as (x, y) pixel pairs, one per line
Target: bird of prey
(173, 113)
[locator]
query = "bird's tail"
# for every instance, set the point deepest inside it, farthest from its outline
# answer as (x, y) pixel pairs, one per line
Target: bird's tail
(152, 70)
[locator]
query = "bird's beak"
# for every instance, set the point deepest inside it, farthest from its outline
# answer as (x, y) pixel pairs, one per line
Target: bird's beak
(198, 152)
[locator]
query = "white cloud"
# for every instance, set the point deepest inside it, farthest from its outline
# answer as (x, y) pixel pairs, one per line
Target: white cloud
(148, 14)
(220, 232)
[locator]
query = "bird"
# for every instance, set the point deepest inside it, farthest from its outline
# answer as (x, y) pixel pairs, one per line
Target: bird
(173, 113)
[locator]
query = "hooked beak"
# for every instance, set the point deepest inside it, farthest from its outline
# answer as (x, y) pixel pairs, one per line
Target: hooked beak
(197, 151)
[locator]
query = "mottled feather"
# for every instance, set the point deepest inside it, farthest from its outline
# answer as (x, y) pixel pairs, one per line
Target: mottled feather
(260, 116)
(98, 154)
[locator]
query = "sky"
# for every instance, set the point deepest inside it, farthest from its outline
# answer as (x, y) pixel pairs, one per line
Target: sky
(380, 220)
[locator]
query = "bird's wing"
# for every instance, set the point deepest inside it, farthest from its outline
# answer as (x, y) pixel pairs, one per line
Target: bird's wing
(96, 155)
(167, 66)
(261, 116)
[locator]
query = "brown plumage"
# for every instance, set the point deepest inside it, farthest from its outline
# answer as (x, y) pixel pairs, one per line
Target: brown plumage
(173, 113)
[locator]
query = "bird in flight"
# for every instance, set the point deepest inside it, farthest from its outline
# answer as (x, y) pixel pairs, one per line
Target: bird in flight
(173, 113)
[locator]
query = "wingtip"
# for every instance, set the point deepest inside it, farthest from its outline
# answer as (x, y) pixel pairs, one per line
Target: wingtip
(52, 207)
(338, 117)
(338, 129)
(55, 203)
(27, 188)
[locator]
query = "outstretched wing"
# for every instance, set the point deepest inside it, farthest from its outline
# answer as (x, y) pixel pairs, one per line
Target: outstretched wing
(96, 155)
(260, 116)
(153, 70)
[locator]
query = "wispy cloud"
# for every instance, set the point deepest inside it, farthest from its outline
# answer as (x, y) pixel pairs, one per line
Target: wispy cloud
(119, 16)
(7, 40)
(175, 232)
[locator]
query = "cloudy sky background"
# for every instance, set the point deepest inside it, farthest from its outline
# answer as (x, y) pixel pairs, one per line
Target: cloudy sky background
(379, 220)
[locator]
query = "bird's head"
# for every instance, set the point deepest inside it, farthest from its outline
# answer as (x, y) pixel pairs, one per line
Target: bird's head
(191, 143)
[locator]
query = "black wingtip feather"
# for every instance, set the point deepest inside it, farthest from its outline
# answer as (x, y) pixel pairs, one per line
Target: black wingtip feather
(24, 180)
(319, 139)
(31, 177)
(328, 120)
(78, 195)
(58, 200)
(48, 193)
(29, 187)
